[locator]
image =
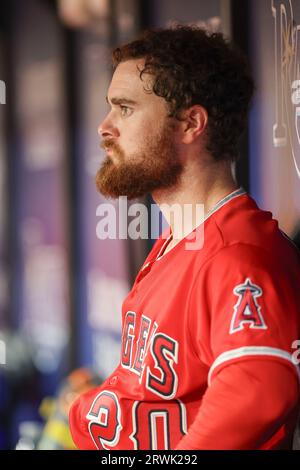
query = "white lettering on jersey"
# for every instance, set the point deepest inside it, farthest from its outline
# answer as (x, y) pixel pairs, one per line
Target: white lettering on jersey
(161, 378)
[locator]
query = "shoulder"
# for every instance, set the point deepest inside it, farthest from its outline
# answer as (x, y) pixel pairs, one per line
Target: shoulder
(251, 234)
(238, 261)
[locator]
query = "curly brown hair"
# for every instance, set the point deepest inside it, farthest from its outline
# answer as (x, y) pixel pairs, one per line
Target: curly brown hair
(191, 66)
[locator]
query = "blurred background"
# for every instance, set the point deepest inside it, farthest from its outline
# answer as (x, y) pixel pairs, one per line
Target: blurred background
(61, 288)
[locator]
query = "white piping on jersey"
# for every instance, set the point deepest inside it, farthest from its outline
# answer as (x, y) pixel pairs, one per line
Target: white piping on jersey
(222, 202)
(251, 351)
(163, 247)
(238, 192)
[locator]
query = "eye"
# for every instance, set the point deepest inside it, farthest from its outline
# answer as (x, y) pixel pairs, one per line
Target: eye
(125, 111)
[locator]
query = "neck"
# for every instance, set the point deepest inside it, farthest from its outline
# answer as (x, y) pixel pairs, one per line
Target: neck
(199, 189)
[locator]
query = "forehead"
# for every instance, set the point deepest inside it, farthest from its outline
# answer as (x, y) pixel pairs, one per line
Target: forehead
(126, 81)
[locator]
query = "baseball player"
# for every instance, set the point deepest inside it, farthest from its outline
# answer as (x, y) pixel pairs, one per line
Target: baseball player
(208, 357)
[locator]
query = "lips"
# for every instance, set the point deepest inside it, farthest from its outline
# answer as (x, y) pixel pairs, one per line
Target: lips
(106, 145)
(108, 150)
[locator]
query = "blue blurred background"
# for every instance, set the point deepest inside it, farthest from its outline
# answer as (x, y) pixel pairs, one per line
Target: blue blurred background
(61, 288)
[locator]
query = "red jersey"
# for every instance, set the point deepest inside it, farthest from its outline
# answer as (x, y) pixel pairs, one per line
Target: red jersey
(208, 341)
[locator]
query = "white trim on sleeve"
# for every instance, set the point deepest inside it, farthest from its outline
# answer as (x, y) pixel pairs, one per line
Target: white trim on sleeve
(251, 351)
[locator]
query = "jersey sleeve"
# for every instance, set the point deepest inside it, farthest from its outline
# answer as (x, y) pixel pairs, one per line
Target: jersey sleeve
(245, 304)
(78, 423)
(244, 322)
(250, 405)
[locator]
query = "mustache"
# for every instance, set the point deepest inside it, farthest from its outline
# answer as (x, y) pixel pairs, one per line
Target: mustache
(108, 144)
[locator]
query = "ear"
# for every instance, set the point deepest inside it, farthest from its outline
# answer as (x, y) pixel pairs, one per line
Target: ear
(194, 123)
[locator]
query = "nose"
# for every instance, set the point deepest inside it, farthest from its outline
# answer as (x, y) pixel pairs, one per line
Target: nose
(107, 129)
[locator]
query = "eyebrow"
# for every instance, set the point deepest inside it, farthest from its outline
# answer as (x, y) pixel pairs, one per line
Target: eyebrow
(121, 100)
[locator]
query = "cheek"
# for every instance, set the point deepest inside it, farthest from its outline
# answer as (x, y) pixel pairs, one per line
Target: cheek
(137, 132)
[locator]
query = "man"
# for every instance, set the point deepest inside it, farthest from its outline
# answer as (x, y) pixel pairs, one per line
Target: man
(207, 347)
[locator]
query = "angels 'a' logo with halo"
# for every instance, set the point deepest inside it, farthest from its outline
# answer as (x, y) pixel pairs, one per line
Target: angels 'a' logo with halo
(286, 129)
(247, 311)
